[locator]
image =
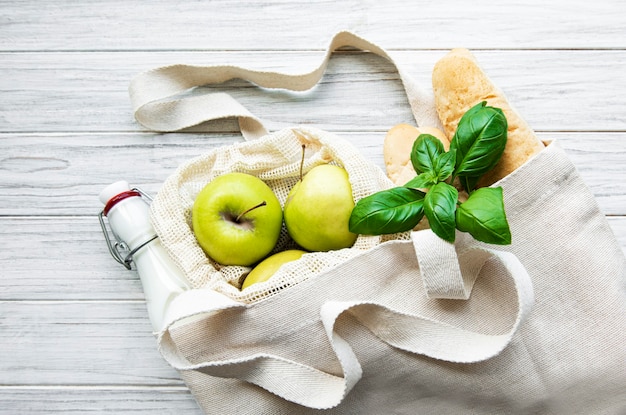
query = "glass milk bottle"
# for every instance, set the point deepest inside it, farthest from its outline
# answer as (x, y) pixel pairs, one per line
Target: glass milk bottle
(127, 211)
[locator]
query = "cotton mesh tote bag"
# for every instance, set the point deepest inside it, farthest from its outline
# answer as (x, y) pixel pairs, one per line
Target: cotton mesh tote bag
(405, 323)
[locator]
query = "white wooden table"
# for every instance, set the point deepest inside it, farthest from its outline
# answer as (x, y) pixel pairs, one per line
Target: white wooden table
(74, 332)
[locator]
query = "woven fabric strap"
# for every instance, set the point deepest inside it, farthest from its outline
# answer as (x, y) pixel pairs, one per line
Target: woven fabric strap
(154, 94)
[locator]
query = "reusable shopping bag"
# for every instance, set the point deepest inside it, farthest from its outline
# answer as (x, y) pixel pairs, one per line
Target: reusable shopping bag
(400, 324)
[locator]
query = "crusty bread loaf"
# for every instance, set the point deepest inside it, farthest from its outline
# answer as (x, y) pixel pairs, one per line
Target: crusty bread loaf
(397, 150)
(459, 84)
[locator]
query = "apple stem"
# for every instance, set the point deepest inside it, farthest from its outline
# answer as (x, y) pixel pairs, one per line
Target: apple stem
(263, 203)
(302, 162)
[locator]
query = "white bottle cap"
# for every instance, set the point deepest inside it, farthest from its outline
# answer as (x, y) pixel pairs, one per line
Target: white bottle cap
(113, 190)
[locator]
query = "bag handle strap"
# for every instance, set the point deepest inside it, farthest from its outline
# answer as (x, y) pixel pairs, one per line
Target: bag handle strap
(156, 101)
(413, 333)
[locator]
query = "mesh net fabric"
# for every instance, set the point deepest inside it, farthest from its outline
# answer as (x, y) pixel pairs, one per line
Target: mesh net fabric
(275, 159)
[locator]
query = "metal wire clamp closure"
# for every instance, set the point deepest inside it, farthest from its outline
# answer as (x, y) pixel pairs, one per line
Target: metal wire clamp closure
(118, 249)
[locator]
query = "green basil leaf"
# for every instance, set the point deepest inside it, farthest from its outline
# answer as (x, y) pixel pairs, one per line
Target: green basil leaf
(421, 181)
(469, 183)
(483, 216)
(479, 140)
(389, 211)
(444, 165)
(439, 208)
(424, 153)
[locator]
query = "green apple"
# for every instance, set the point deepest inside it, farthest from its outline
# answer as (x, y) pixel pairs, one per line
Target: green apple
(268, 267)
(237, 219)
(318, 209)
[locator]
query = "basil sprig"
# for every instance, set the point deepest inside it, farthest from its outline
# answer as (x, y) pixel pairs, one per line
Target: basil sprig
(475, 149)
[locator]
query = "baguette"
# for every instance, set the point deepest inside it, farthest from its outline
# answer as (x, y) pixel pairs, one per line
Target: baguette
(397, 150)
(458, 84)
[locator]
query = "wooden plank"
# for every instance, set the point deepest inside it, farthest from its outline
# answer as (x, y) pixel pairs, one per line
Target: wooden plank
(61, 258)
(50, 174)
(80, 343)
(101, 400)
(249, 25)
(67, 172)
(79, 92)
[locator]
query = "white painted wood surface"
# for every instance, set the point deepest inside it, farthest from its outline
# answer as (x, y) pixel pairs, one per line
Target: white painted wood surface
(74, 333)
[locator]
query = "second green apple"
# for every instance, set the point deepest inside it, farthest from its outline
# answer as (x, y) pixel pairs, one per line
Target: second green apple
(318, 208)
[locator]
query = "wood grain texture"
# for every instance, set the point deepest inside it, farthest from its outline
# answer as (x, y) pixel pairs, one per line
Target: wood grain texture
(59, 258)
(75, 337)
(114, 400)
(62, 174)
(80, 343)
(83, 92)
(250, 25)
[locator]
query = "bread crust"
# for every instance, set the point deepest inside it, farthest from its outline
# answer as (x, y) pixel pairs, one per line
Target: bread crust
(458, 84)
(397, 150)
